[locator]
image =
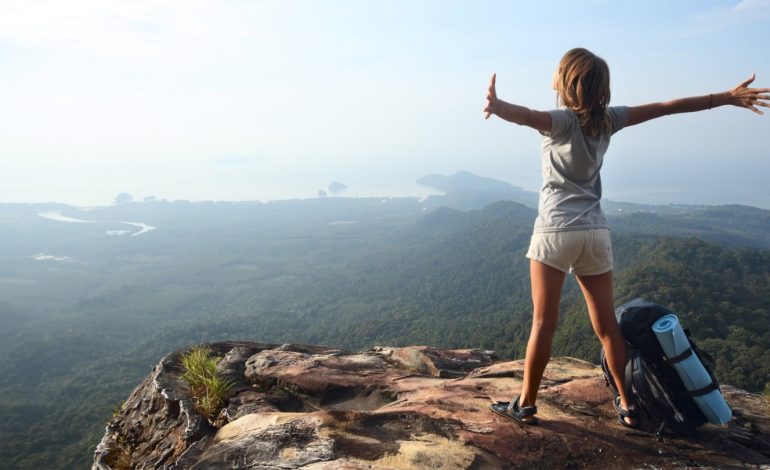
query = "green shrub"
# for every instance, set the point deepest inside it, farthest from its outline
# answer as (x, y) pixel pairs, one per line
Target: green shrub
(208, 388)
(116, 408)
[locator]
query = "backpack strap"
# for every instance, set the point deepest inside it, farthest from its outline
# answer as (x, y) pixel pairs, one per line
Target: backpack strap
(678, 358)
(704, 390)
(632, 353)
(681, 357)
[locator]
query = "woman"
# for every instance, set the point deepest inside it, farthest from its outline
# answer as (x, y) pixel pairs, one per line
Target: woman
(571, 232)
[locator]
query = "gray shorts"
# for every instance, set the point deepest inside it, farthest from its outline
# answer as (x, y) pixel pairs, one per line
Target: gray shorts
(582, 252)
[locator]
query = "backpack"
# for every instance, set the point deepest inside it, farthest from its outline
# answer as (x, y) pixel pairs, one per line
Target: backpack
(650, 377)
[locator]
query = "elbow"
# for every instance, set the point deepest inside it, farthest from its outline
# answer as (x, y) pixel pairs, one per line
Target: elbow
(665, 109)
(529, 118)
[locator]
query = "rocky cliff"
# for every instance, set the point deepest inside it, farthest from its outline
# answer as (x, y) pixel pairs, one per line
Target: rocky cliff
(312, 407)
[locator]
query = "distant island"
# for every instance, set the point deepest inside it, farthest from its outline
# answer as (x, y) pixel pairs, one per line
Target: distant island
(467, 181)
(464, 190)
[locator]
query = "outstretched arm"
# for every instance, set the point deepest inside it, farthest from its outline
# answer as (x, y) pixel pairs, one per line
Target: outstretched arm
(741, 95)
(521, 115)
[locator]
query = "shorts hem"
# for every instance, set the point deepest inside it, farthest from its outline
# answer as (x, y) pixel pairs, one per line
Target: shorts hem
(594, 272)
(549, 264)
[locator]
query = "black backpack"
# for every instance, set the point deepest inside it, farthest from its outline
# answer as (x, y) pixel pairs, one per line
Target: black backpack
(650, 377)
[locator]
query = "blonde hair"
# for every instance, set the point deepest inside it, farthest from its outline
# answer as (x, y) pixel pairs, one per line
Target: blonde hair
(583, 85)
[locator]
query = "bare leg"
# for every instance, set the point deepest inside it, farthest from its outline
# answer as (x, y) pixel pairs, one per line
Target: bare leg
(547, 283)
(597, 291)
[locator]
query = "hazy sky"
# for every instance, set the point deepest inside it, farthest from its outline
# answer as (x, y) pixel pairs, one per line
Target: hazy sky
(237, 100)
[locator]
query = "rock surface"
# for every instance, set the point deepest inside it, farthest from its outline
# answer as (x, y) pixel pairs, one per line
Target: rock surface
(317, 408)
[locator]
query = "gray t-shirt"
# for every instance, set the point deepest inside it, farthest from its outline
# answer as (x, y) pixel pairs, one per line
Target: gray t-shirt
(572, 187)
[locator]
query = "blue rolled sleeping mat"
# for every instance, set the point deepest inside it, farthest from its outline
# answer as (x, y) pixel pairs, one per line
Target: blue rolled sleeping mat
(694, 376)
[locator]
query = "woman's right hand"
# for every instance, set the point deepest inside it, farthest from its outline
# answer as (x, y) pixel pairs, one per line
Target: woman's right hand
(750, 98)
(491, 107)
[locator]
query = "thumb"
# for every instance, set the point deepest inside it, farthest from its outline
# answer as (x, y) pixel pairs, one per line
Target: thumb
(748, 80)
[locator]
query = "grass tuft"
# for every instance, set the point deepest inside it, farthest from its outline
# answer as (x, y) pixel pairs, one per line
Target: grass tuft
(208, 388)
(116, 408)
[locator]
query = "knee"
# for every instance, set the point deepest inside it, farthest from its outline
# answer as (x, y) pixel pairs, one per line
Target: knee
(544, 326)
(607, 332)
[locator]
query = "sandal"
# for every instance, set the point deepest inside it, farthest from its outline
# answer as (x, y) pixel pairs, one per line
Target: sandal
(512, 410)
(624, 413)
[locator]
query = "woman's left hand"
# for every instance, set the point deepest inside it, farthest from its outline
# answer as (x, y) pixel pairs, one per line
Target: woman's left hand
(491, 107)
(746, 97)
